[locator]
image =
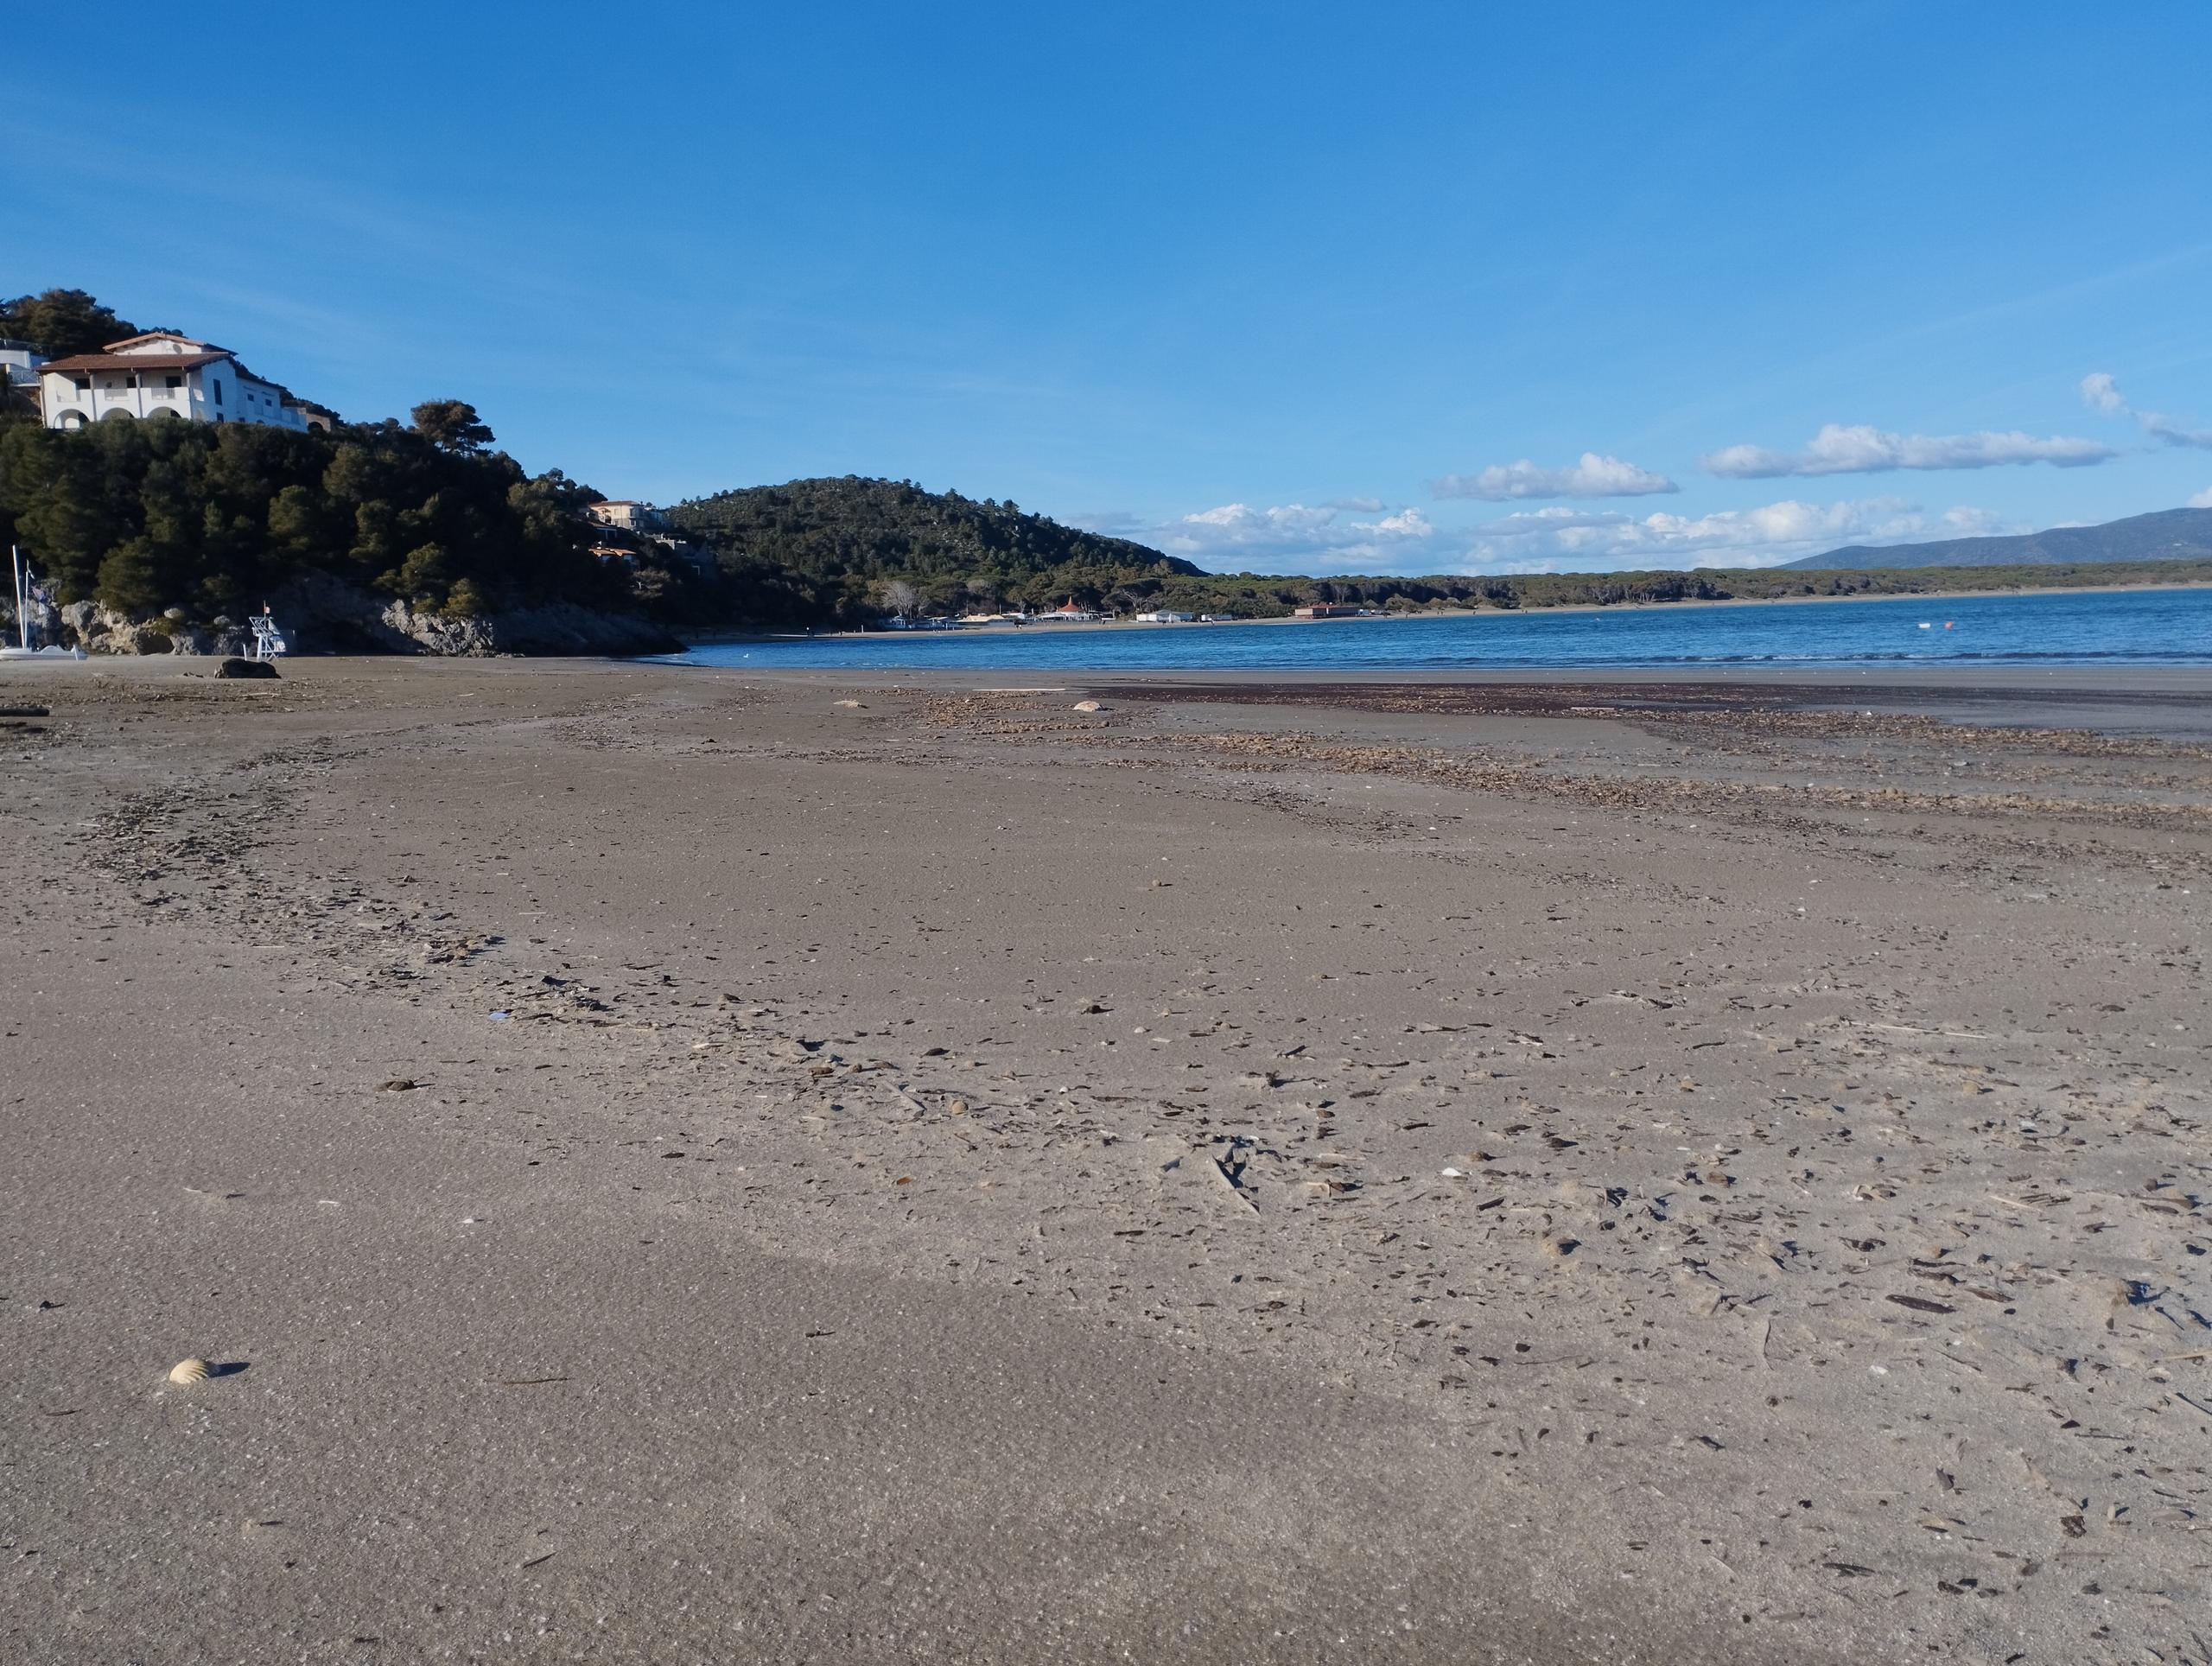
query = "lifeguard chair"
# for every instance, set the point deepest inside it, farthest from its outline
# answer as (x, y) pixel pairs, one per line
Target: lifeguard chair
(268, 641)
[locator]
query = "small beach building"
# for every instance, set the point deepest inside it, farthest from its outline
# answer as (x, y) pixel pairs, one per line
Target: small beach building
(1163, 616)
(1329, 610)
(161, 373)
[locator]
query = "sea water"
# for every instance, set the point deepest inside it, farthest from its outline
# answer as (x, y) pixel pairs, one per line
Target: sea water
(2123, 627)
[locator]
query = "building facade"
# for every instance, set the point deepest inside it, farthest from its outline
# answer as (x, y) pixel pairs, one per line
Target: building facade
(163, 374)
(628, 514)
(19, 363)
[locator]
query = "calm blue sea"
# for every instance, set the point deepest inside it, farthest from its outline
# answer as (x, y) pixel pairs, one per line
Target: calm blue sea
(2130, 627)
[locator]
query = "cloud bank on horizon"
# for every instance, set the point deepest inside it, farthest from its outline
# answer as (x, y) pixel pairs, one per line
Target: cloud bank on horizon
(1238, 536)
(1367, 534)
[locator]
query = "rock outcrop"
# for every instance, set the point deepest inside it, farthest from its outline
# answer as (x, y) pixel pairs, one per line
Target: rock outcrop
(559, 628)
(321, 614)
(100, 629)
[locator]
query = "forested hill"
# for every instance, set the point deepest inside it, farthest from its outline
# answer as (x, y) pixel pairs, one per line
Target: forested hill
(854, 532)
(2164, 535)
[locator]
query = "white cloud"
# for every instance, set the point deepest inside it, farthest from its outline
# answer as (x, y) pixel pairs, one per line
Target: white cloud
(2202, 499)
(1238, 523)
(1406, 523)
(2173, 433)
(1297, 537)
(1974, 524)
(2100, 392)
(1595, 476)
(1862, 449)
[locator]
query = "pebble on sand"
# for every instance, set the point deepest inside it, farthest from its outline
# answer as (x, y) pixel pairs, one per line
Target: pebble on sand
(1089, 705)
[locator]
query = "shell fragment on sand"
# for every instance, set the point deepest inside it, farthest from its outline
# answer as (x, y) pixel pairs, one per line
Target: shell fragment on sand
(189, 1370)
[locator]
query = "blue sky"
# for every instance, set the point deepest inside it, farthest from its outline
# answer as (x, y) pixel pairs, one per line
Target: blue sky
(1284, 287)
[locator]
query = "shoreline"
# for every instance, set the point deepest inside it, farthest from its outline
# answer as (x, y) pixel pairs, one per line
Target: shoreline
(2117, 680)
(2172, 701)
(717, 639)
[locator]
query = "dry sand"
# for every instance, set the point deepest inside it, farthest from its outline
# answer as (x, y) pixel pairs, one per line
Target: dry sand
(1529, 1169)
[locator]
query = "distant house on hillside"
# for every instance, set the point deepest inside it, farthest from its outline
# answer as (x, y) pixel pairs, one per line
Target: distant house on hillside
(164, 374)
(628, 514)
(650, 526)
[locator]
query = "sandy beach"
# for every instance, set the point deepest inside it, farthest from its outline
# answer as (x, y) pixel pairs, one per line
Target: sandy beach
(672, 1163)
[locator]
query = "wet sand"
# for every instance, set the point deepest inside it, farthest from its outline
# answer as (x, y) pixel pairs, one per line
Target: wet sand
(1534, 1168)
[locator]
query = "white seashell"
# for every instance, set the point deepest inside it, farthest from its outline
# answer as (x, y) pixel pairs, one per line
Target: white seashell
(189, 1370)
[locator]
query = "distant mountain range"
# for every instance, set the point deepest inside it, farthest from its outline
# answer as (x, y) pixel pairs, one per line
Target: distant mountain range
(2164, 535)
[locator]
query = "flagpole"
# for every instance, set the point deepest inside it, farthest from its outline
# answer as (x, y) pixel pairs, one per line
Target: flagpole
(22, 610)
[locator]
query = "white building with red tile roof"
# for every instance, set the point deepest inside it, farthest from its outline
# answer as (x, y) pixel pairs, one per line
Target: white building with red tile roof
(165, 374)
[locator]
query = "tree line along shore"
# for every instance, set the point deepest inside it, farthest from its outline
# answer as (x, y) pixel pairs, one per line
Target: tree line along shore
(172, 528)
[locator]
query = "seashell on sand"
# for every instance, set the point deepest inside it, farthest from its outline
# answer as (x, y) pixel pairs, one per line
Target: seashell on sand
(189, 1370)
